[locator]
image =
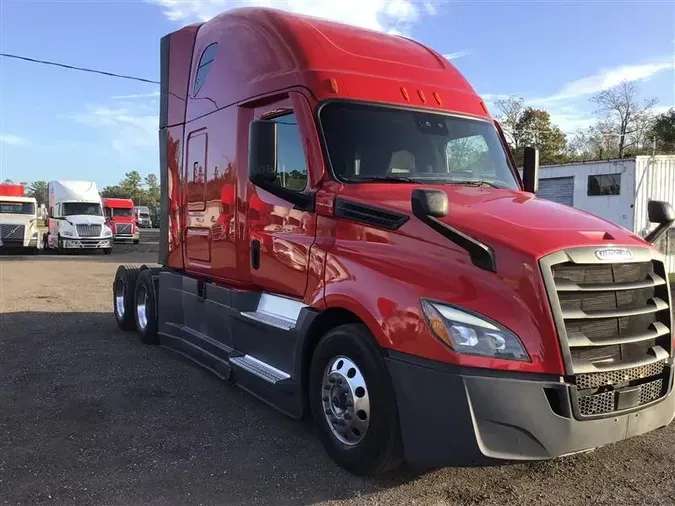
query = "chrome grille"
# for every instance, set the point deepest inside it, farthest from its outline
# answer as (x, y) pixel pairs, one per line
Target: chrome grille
(614, 324)
(123, 228)
(10, 232)
(89, 230)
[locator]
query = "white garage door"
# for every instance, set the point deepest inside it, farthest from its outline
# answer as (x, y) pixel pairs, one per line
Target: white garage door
(557, 189)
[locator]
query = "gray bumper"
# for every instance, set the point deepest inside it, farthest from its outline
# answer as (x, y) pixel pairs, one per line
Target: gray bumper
(457, 416)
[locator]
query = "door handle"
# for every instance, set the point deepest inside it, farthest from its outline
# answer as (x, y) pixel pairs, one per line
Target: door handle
(255, 253)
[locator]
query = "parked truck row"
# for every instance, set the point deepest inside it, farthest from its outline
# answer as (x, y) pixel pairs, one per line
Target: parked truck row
(77, 217)
(344, 234)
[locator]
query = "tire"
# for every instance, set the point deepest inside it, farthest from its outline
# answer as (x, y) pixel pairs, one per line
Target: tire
(145, 308)
(377, 449)
(124, 287)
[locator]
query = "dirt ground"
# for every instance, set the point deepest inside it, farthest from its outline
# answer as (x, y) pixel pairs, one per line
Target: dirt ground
(91, 416)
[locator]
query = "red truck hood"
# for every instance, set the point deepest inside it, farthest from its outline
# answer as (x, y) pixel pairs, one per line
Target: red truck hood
(515, 219)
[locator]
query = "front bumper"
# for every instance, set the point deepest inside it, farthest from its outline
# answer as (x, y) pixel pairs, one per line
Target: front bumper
(127, 237)
(460, 416)
(88, 243)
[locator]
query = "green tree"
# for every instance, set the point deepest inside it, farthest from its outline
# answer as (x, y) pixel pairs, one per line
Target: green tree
(39, 190)
(534, 128)
(152, 187)
(663, 132)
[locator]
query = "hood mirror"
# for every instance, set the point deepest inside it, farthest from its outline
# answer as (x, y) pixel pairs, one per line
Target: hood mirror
(531, 169)
(429, 203)
(661, 213)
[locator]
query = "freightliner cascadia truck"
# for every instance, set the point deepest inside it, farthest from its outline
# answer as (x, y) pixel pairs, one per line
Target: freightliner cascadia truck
(378, 262)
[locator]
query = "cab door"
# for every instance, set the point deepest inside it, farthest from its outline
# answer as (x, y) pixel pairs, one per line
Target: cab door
(279, 234)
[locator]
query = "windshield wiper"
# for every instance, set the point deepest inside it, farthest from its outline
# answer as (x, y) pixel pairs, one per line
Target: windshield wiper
(386, 179)
(474, 182)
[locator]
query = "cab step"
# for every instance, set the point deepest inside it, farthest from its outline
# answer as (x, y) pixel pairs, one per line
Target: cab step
(259, 368)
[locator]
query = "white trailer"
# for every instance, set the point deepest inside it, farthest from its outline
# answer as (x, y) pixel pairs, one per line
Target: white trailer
(76, 220)
(617, 190)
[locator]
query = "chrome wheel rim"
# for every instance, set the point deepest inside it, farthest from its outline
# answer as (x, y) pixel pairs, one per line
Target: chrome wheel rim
(345, 400)
(142, 307)
(119, 298)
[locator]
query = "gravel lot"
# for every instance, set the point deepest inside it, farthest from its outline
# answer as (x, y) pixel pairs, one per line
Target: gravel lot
(90, 416)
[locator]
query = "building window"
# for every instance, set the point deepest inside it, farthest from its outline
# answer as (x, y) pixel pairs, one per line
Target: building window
(204, 65)
(604, 184)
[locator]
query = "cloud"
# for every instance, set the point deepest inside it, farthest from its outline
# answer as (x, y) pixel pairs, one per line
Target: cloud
(140, 95)
(456, 54)
(127, 130)
(393, 16)
(12, 140)
(606, 79)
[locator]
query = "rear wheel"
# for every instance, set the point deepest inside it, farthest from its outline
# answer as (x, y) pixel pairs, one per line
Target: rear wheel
(123, 296)
(352, 402)
(146, 308)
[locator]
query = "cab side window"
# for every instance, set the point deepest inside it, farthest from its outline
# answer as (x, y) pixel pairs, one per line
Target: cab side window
(204, 66)
(291, 162)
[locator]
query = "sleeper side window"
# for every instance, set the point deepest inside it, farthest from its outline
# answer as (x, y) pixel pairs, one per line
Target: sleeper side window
(291, 163)
(205, 62)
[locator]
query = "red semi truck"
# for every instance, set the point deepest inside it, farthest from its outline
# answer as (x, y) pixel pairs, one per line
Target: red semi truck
(378, 262)
(120, 217)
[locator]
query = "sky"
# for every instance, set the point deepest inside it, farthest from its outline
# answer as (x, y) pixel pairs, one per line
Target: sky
(63, 124)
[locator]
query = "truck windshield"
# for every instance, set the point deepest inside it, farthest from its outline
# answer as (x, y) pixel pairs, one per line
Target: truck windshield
(368, 143)
(82, 208)
(17, 208)
(118, 211)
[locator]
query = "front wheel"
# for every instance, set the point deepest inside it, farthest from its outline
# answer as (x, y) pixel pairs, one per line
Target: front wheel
(352, 401)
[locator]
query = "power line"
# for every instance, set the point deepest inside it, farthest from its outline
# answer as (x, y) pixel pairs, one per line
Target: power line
(83, 69)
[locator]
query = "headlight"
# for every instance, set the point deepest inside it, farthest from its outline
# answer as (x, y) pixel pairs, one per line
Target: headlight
(469, 334)
(66, 233)
(107, 232)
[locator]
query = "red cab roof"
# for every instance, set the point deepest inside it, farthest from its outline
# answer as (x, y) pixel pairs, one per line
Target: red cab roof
(118, 203)
(262, 50)
(12, 190)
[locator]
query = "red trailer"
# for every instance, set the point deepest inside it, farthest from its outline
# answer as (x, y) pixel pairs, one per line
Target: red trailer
(384, 267)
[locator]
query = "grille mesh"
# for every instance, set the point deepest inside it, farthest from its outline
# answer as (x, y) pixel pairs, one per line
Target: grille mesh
(123, 228)
(599, 404)
(598, 379)
(11, 232)
(89, 230)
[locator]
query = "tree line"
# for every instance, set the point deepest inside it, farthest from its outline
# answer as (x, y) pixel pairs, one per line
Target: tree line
(624, 126)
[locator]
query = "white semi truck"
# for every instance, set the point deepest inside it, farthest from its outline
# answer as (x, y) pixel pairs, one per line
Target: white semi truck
(76, 220)
(18, 219)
